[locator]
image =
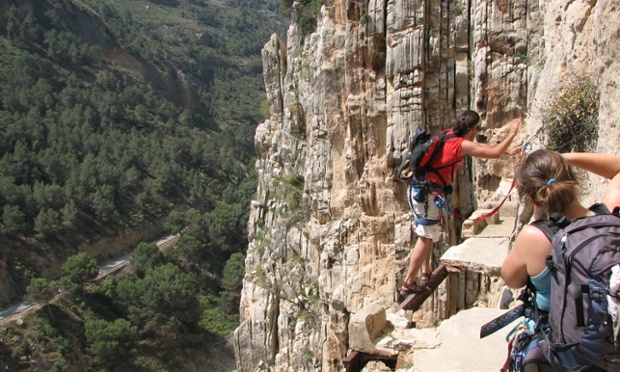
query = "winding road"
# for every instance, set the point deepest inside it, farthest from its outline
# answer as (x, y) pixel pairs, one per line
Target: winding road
(106, 269)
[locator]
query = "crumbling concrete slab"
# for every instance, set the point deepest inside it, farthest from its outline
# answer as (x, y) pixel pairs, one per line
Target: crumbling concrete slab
(481, 255)
(472, 226)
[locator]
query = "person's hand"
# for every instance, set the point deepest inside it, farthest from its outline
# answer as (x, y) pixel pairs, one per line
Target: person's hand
(514, 126)
(513, 151)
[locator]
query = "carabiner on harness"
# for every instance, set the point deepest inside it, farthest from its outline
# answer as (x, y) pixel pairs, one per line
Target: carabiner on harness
(441, 221)
(440, 202)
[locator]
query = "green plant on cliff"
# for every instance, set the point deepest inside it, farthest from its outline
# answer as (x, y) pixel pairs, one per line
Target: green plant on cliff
(293, 196)
(308, 11)
(570, 121)
(458, 9)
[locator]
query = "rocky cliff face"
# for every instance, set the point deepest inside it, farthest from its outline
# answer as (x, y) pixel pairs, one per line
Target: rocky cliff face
(330, 226)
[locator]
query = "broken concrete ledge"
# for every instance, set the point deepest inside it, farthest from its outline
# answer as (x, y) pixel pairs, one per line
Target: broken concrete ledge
(481, 255)
(365, 327)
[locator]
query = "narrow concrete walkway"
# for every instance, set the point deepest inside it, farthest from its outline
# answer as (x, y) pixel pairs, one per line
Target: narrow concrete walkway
(455, 345)
(459, 346)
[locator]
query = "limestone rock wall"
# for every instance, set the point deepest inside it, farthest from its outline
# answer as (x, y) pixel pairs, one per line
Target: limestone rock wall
(330, 229)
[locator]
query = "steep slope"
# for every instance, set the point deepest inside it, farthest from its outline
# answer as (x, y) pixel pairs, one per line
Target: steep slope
(113, 114)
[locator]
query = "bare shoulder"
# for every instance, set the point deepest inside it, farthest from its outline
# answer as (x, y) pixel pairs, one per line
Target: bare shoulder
(533, 245)
(532, 237)
(469, 147)
(526, 258)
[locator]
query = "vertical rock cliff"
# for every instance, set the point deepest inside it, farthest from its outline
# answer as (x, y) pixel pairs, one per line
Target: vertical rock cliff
(330, 229)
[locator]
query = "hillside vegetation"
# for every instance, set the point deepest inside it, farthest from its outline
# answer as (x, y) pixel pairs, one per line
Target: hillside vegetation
(114, 114)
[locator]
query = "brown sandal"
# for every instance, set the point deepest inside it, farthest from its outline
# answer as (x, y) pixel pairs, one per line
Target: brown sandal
(411, 289)
(424, 279)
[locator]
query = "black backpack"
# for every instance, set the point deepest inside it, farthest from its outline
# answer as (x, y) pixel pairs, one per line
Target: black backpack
(422, 151)
(580, 330)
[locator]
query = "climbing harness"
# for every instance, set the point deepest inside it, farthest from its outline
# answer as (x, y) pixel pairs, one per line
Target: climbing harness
(421, 191)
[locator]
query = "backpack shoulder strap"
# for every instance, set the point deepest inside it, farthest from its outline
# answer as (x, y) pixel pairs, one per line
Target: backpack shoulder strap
(445, 136)
(548, 226)
(442, 138)
(600, 208)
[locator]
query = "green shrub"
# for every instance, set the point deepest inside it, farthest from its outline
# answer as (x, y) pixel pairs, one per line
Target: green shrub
(570, 122)
(294, 190)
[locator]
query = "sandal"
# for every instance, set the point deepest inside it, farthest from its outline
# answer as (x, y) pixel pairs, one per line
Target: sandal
(424, 279)
(411, 289)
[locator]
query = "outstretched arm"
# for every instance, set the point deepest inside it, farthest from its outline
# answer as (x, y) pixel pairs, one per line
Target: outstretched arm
(481, 150)
(604, 165)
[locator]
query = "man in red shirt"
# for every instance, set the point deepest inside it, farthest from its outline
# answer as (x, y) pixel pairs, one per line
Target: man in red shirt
(426, 193)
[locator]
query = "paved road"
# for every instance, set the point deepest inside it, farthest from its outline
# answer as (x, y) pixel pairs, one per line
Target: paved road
(16, 309)
(112, 265)
(104, 270)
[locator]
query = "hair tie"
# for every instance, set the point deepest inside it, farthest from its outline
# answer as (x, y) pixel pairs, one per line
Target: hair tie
(551, 180)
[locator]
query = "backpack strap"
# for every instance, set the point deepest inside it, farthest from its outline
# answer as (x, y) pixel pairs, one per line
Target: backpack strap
(548, 226)
(558, 221)
(600, 208)
(443, 138)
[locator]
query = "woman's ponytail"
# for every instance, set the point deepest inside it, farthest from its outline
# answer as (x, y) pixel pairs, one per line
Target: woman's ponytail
(546, 178)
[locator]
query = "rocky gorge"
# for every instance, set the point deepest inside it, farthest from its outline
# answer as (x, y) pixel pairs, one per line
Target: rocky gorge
(330, 228)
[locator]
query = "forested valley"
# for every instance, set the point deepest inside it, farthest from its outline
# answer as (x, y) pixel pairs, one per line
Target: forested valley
(115, 115)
